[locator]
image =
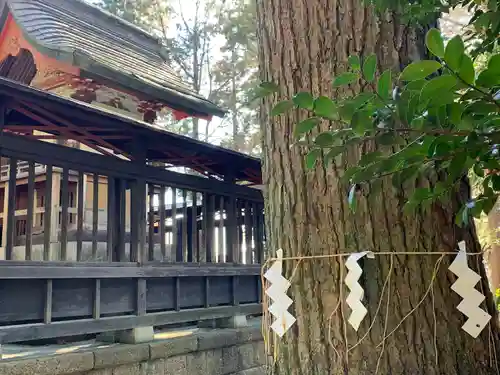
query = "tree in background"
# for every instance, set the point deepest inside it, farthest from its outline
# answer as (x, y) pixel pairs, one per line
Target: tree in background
(213, 48)
(236, 74)
(318, 202)
(145, 14)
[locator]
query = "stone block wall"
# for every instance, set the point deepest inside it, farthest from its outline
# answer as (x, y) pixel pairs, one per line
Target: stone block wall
(215, 352)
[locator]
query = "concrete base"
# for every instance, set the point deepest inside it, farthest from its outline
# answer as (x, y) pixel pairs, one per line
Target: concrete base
(237, 321)
(131, 336)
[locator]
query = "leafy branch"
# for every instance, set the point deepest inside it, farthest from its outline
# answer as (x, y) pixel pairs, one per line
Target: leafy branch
(438, 116)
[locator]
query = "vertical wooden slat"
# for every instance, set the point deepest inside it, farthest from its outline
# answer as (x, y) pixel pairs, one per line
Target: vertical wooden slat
(142, 192)
(47, 314)
(175, 237)
(161, 209)
(256, 231)
(204, 227)
(64, 213)
(47, 215)
(134, 222)
(232, 232)
(11, 210)
(120, 222)
(30, 211)
(141, 297)
(184, 233)
(97, 299)
(79, 216)
(250, 258)
(210, 228)
(194, 229)
(110, 219)
(222, 254)
(151, 228)
(95, 213)
(138, 221)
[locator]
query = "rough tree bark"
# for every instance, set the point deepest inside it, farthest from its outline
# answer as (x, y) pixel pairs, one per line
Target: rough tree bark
(302, 45)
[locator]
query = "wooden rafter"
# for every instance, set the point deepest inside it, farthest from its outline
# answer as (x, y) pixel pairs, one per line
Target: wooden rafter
(63, 131)
(80, 134)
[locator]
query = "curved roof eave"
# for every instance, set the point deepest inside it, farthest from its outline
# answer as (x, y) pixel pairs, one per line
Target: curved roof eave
(175, 97)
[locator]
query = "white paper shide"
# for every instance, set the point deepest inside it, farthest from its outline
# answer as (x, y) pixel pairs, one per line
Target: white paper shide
(280, 301)
(472, 298)
(358, 310)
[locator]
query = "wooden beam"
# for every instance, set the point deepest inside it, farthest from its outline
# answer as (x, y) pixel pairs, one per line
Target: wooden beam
(47, 153)
(103, 270)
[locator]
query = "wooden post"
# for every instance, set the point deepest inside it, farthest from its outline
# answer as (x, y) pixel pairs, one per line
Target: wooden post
(232, 246)
(119, 220)
(5, 212)
(54, 217)
(138, 199)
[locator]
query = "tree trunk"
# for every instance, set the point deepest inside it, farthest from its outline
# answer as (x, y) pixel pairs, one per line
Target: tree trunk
(494, 253)
(303, 44)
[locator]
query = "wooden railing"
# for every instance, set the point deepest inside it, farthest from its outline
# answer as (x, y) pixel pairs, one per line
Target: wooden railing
(138, 246)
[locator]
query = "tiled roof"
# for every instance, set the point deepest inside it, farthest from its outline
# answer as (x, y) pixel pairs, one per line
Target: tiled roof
(104, 45)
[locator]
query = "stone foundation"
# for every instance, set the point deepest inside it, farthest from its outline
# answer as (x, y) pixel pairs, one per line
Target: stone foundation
(216, 352)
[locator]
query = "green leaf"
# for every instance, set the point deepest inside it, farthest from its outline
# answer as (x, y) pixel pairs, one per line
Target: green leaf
(369, 158)
(345, 79)
(354, 62)
(456, 168)
(495, 182)
(306, 125)
(332, 154)
(436, 86)
(419, 70)
(325, 107)
(489, 203)
(416, 85)
(494, 63)
(304, 100)
(359, 100)
(311, 157)
(478, 170)
(324, 139)
(454, 53)
(346, 112)
(466, 71)
(361, 122)
(282, 107)
(442, 149)
(369, 68)
(406, 175)
(384, 85)
(459, 217)
(347, 176)
(455, 111)
(434, 42)
(351, 199)
(421, 194)
(488, 78)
